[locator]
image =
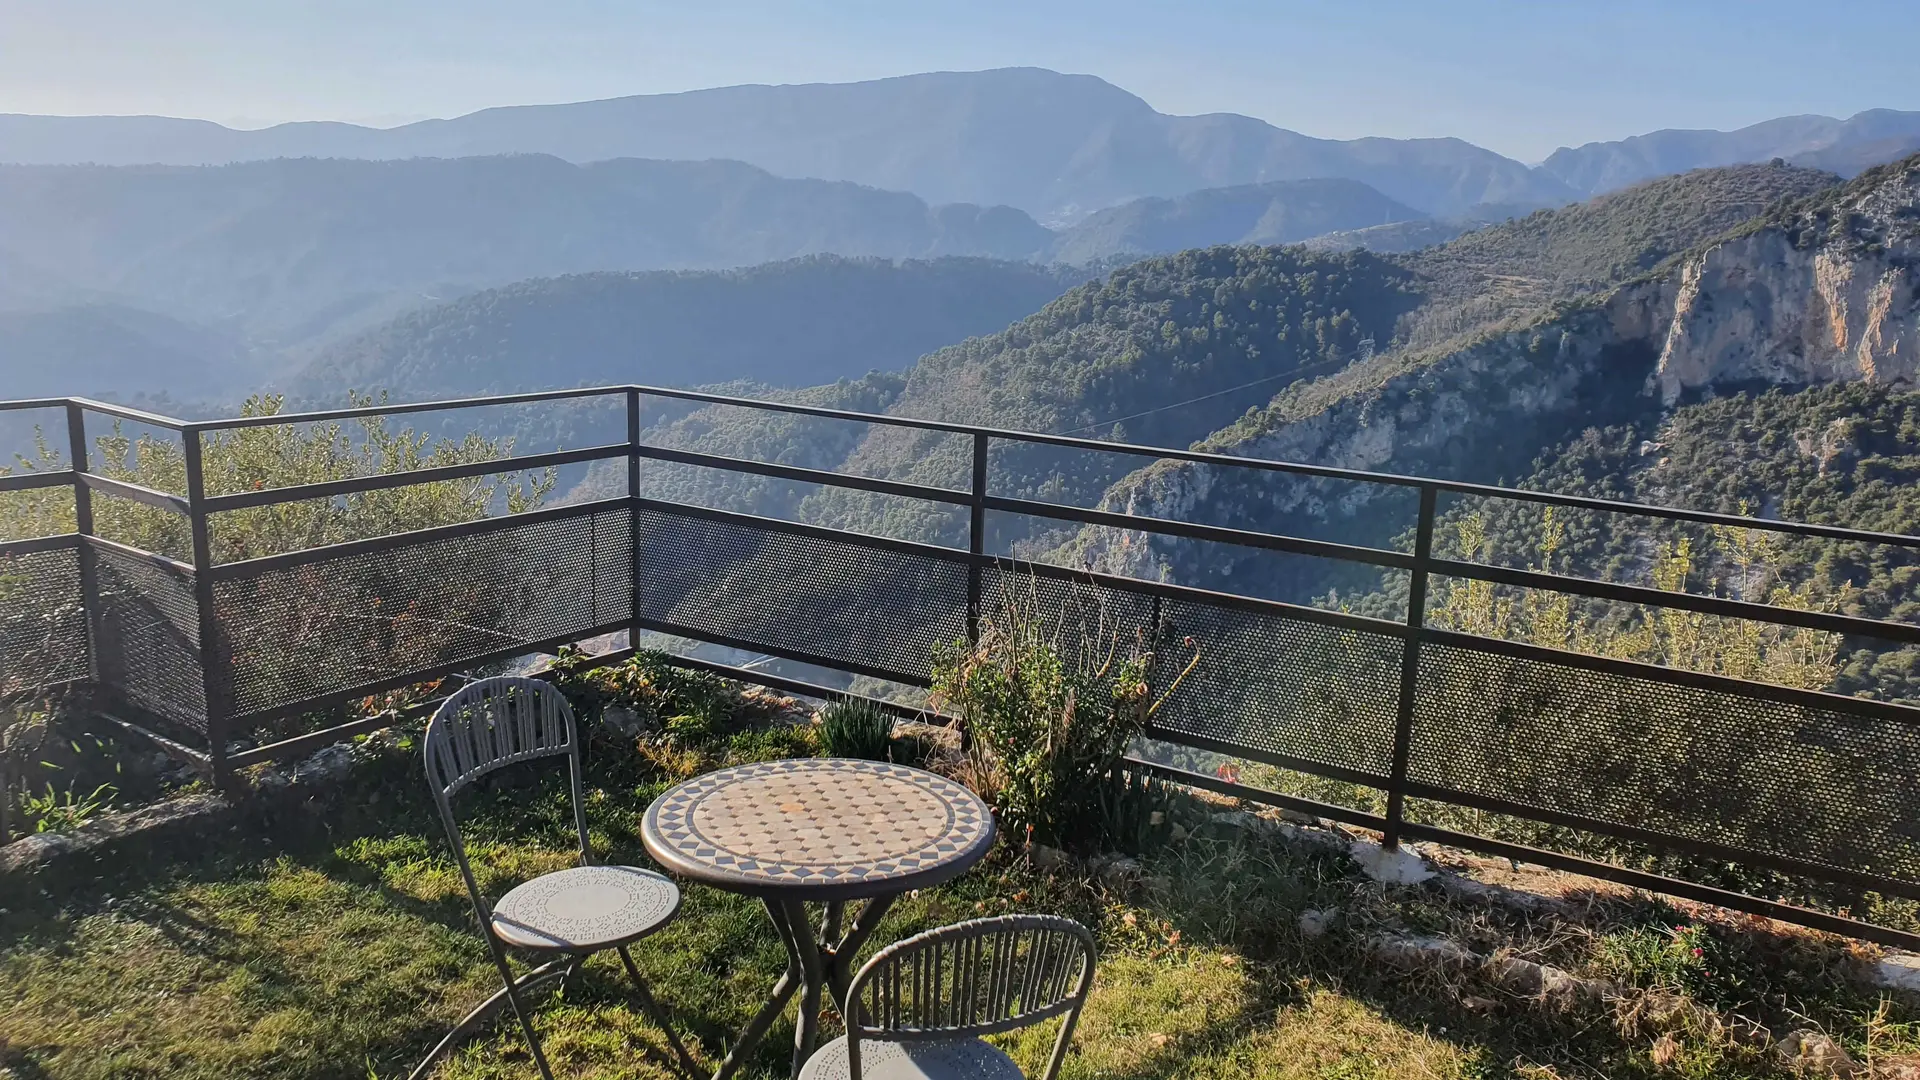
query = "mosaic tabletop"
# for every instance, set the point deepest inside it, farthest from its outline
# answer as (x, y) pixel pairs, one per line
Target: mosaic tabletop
(819, 828)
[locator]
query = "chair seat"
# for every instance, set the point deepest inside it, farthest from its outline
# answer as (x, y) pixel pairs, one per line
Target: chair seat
(585, 908)
(935, 1059)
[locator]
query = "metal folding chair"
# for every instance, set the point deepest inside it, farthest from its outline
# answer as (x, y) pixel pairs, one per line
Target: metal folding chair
(565, 916)
(919, 1008)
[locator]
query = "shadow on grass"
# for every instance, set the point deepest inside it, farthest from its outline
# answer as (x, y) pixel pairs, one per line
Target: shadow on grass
(712, 966)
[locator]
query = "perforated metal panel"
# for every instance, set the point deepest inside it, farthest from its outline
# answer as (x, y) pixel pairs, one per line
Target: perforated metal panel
(1317, 693)
(43, 622)
(149, 638)
(1077, 613)
(1812, 784)
(336, 623)
(833, 598)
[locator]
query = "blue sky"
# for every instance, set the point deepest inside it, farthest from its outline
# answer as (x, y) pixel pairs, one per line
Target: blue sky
(1518, 77)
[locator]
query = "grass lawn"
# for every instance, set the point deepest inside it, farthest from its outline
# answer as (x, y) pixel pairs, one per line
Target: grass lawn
(336, 941)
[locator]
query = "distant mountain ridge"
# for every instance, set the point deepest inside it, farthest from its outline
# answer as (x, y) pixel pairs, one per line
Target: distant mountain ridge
(1845, 146)
(288, 250)
(1058, 146)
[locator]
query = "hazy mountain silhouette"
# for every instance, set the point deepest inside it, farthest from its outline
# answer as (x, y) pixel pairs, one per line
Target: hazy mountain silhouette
(1847, 147)
(1051, 144)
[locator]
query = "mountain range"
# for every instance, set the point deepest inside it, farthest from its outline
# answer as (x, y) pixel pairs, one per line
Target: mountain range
(1845, 146)
(1056, 146)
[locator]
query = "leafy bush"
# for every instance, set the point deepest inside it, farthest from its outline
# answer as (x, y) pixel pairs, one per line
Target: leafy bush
(690, 704)
(1049, 723)
(856, 728)
(275, 456)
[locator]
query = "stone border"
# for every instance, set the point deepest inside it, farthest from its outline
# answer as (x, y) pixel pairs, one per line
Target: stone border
(185, 815)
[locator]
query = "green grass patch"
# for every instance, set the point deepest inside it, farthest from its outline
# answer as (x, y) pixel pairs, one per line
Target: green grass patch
(338, 942)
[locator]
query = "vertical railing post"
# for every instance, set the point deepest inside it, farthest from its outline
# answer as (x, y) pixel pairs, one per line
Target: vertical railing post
(214, 661)
(1410, 665)
(633, 512)
(976, 536)
(83, 527)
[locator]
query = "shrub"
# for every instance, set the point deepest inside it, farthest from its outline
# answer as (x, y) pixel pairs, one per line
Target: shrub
(691, 705)
(857, 728)
(1050, 722)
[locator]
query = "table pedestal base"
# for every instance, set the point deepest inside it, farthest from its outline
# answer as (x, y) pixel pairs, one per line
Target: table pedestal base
(815, 964)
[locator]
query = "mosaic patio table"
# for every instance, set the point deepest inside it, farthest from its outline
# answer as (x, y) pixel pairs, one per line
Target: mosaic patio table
(822, 830)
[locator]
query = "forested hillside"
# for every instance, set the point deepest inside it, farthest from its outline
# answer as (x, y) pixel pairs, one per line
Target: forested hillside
(755, 435)
(1514, 268)
(1176, 349)
(1846, 454)
(790, 323)
(1160, 352)
(1814, 292)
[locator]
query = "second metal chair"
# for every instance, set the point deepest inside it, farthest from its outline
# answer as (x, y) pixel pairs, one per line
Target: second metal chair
(918, 1009)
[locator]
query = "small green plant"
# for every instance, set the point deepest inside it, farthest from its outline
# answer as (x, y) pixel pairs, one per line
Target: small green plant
(59, 811)
(678, 691)
(856, 728)
(1658, 957)
(579, 676)
(698, 723)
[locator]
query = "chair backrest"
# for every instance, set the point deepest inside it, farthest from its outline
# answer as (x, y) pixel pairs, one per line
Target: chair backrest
(971, 979)
(488, 725)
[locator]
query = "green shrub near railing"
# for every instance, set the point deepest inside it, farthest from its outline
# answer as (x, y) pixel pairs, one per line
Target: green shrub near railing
(1050, 719)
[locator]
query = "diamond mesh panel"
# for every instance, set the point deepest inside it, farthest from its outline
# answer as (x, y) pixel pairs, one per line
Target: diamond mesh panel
(43, 625)
(1305, 690)
(837, 599)
(1813, 784)
(304, 631)
(149, 638)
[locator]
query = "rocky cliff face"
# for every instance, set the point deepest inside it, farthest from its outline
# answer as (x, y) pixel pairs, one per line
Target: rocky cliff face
(1829, 294)
(1832, 296)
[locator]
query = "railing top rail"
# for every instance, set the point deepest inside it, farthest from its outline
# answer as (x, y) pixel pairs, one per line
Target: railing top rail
(398, 408)
(124, 412)
(1796, 528)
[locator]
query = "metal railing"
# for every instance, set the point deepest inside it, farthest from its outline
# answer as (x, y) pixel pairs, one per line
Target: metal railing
(197, 653)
